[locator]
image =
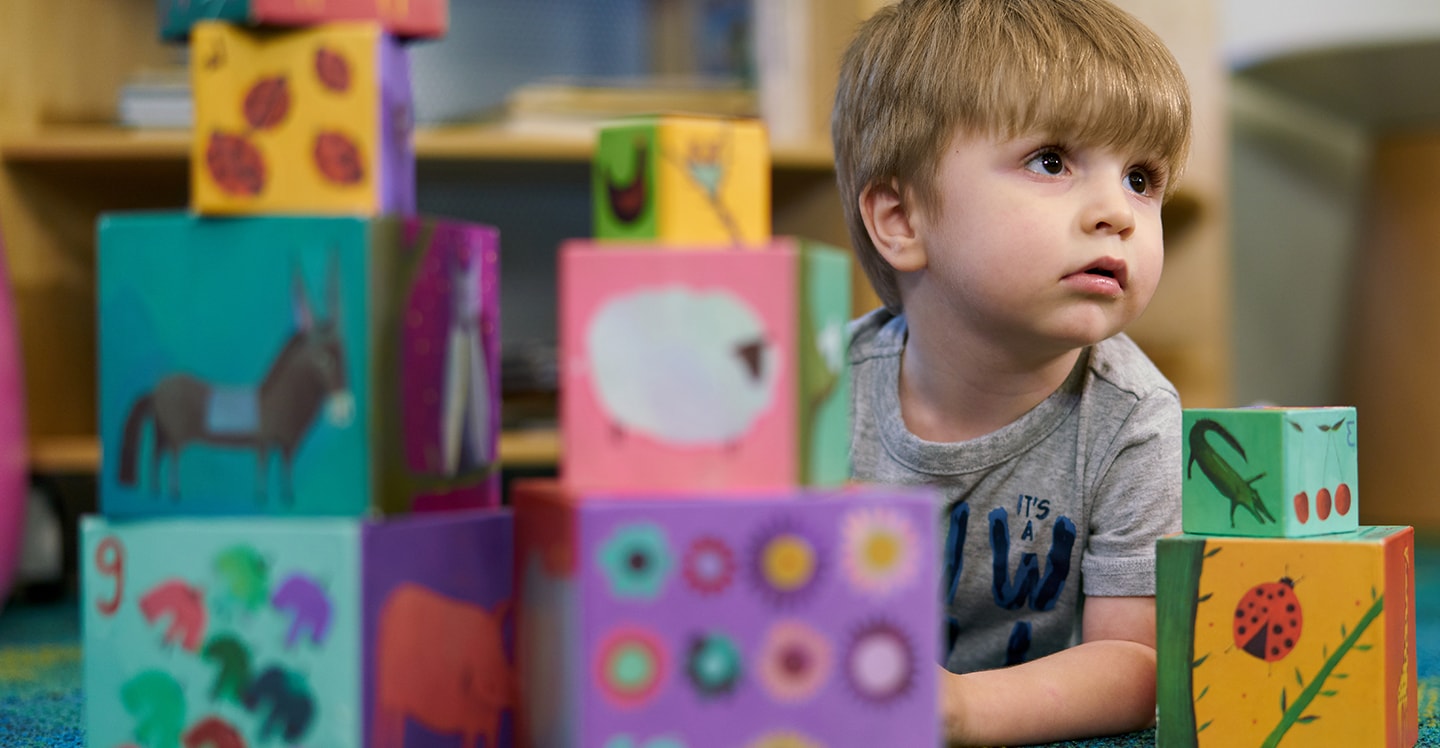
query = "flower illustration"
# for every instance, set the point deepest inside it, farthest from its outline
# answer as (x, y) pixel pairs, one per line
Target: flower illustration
(880, 662)
(631, 666)
(795, 661)
(880, 550)
(713, 665)
(787, 562)
(636, 561)
(709, 565)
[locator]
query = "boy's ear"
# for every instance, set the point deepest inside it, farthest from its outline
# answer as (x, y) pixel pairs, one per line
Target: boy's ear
(887, 215)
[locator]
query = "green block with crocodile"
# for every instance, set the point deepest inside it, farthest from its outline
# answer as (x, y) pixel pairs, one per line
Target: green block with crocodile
(1270, 472)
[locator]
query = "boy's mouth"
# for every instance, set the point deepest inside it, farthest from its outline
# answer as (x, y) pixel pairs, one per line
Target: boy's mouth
(1108, 267)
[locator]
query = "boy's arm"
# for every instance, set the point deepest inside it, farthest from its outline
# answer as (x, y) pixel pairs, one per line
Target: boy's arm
(1103, 686)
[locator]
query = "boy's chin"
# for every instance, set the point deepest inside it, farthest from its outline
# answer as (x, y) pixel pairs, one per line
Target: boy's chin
(1083, 336)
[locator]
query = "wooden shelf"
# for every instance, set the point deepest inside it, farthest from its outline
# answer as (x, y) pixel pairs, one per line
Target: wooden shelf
(102, 144)
(531, 448)
(65, 454)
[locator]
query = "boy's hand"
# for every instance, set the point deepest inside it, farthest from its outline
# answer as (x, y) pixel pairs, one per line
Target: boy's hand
(1103, 686)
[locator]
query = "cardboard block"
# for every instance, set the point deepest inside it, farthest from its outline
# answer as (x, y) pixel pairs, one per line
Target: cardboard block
(805, 618)
(316, 120)
(1287, 642)
(299, 631)
(428, 19)
(291, 365)
(1270, 472)
(704, 369)
(683, 181)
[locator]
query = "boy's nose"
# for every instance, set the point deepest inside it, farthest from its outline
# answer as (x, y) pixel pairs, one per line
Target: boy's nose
(1109, 211)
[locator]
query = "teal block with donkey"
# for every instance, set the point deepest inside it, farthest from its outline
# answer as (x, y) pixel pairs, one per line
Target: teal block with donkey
(296, 365)
(1270, 472)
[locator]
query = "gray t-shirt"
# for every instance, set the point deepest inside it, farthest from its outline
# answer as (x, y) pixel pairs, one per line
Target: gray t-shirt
(1083, 483)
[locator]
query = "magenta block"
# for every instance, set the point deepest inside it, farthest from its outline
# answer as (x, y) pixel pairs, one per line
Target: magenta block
(14, 465)
(313, 631)
(807, 616)
(409, 18)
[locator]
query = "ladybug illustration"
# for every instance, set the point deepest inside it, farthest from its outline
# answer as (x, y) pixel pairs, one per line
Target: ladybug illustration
(1268, 620)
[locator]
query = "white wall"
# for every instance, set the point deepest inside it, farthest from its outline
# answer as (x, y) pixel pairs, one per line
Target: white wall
(1259, 29)
(1298, 179)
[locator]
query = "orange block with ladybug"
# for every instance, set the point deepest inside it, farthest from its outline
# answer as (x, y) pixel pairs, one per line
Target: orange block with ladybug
(309, 120)
(1287, 642)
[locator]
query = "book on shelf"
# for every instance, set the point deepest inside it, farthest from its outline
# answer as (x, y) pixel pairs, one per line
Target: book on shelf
(576, 107)
(156, 98)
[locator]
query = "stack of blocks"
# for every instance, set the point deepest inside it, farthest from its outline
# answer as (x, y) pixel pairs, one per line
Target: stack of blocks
(1282, 620)
(281, 365)
(699, 575)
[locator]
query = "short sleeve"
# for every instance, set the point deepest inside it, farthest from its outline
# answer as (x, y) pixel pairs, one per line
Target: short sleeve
(1136, 499)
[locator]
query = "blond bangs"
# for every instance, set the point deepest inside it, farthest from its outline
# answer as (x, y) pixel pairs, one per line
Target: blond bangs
(1075, 75)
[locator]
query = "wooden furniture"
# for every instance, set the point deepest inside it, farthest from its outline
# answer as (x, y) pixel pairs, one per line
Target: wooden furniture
(1394, 333)
(62, 164)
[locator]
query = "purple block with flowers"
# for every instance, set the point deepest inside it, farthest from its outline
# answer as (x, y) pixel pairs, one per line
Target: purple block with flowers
(803, 617)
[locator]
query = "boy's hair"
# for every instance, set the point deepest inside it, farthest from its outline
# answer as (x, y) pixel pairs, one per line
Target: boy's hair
(919, 72)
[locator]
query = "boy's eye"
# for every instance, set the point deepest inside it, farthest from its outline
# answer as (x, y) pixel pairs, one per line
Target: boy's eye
(1046, 162)
(1138, 181)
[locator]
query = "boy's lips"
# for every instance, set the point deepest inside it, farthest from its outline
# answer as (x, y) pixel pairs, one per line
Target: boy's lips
(1106, 276)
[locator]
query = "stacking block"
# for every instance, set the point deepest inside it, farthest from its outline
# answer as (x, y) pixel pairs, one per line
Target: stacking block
(308, 631)
(704, 369)
(1289, 642)
(408, 18)
(288, 365)
(683, 181)
(1270, 472)
(799, 619)
(303, 121)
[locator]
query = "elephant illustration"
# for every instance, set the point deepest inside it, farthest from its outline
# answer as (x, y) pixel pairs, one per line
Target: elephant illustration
(283, 702)
(441, 662)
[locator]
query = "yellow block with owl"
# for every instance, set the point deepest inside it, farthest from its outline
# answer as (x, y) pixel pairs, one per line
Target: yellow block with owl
(683, 180)
(1287, 641)
(311, 120)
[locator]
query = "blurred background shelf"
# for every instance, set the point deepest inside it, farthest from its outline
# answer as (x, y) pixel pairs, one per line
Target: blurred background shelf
(98, 144)
(520, 448)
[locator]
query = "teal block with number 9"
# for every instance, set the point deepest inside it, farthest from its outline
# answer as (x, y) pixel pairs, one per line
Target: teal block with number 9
(335, 632)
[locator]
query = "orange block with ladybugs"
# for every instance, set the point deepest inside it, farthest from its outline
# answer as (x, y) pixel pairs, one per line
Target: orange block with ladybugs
(1287, 641)
(312, 120)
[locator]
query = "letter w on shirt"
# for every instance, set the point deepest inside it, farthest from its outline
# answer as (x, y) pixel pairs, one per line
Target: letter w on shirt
(1029, 585)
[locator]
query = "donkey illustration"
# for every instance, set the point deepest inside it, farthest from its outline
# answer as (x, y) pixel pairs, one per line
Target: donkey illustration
(309, 370)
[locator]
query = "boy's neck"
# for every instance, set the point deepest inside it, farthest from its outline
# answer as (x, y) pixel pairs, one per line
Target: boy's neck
(954, 389)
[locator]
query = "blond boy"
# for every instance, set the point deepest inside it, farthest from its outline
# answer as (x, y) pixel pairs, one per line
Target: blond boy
(1002, 165)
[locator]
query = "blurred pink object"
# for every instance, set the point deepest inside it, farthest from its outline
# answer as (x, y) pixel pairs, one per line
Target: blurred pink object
(14, 477)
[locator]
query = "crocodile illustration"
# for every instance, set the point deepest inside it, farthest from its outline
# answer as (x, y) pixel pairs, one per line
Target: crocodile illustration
(1240, 491)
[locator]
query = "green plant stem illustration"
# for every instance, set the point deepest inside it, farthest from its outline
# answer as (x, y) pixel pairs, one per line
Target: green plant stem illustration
(1183, 563)
(1293, 713)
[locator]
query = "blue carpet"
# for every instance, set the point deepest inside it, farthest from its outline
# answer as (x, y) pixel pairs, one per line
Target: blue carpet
(40, 673)
(40, 698)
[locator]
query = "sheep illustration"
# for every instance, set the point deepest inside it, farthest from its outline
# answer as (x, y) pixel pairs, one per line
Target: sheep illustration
(683, 366)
